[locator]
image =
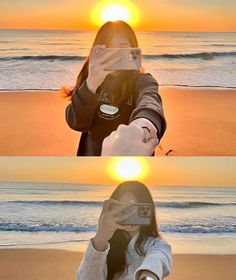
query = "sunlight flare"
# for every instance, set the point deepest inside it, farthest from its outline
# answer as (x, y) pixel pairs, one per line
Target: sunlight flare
(129, 168)
(115, 10)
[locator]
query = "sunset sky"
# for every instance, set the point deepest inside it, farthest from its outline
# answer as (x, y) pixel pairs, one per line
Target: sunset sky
(159, 15)
(163, 171)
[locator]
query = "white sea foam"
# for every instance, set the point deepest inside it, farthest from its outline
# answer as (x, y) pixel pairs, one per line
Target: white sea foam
(49, 59)
(35, 214)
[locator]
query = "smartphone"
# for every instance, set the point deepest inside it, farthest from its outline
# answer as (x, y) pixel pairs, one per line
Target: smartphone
(142, 214)
(130, 58)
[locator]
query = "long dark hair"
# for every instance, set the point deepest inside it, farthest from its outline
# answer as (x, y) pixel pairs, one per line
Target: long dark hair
(118, 243)
(103, 37)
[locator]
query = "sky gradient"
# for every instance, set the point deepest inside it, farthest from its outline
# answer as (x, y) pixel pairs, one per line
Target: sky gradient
(154, 15)
(162, 171)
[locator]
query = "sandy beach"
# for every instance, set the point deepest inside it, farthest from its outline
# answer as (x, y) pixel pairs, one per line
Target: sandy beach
(37, 264)
(201, 122)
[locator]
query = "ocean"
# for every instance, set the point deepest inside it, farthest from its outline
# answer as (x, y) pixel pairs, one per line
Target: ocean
(51, 215)
(49, 59)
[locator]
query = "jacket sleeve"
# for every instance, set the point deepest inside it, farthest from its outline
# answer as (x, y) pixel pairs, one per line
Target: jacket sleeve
(79, 113)
(149, 103)
(158, 259)
(94, 264)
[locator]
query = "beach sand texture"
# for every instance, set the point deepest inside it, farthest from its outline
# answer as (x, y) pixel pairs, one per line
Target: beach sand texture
(201, 122)
(47, 264)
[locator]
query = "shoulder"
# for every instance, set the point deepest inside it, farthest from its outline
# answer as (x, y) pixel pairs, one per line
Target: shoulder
(157, 243)
(145, 78)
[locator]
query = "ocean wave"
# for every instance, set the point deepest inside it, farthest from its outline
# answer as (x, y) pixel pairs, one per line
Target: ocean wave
(192, 204)
(199, 229)
(14, 49)
(45, 227)
(21, 227)
(55, 202)
(221, 45)
(193, 86)
(43, 57)
(201, 55)
(169, 204)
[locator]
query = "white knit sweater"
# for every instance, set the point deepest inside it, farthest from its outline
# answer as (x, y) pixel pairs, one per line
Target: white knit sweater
(157, 259)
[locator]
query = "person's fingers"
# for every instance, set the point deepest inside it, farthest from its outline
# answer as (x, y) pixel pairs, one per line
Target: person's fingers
(146, 134)
(107, 142)
(109, 59)
(120, 208)
(95, 49)
(106, 72)
(118, 226)
(123, 227)
(110, 63)
(104, 146)
(152, 143)
(136, 131)
(108, 203)
(106, 56)
(112, 135)
(98, 46)
(122, 129)
(123, 216)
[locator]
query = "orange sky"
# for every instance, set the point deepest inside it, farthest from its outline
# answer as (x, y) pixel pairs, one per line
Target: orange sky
(160, 15)
(180, 171)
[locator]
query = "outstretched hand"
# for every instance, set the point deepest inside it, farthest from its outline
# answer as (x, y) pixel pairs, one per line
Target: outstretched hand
(129, 140)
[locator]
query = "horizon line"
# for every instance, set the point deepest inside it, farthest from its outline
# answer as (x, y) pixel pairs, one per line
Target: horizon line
(95, 30)
(112, 183)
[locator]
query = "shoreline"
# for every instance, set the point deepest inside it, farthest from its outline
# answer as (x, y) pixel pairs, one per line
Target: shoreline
(182, 244)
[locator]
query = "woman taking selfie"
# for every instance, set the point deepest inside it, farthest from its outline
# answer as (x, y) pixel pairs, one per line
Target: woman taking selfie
(126, 252)
(102, 99)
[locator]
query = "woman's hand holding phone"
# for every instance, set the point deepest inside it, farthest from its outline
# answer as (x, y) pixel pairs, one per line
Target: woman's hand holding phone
(108, 223)
(98, 65)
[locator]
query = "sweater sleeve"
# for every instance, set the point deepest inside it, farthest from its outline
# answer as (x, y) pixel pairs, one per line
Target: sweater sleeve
(79, 113)
(149, 103)
(93, 265)
(158, 259)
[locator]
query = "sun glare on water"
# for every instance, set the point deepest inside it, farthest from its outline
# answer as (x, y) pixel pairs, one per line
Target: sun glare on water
(128, 169)
(115, 10)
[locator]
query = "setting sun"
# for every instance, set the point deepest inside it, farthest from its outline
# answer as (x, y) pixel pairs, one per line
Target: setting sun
(113, 11)
(128, 169)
